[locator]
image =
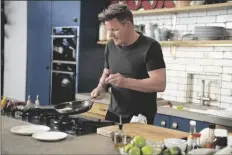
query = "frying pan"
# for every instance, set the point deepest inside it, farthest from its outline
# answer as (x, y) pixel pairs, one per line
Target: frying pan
(74, 107)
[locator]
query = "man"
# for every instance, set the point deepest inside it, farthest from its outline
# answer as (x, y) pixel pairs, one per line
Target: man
(134, 68)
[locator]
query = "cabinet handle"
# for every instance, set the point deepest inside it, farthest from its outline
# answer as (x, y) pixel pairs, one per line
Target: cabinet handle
(163, 123)
(47, 67)
(174, 125)
(75, 19)
(101, 109)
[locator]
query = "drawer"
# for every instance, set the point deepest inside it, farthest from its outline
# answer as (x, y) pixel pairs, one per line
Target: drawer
(99, 108)
(161, 120)
(180, 124)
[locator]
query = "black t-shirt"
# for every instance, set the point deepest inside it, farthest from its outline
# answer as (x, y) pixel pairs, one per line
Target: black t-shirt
(133, 61)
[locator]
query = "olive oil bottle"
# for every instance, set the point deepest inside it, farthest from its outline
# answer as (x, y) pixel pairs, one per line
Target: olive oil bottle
(119, 136)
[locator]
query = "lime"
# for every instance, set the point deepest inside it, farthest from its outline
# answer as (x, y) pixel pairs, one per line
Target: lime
(134, 151)
(139, 141)
(175, 150)
(147, 150)
(180, 107)
(128, 147)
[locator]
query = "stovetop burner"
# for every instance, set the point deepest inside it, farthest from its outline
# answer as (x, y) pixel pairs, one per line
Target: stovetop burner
(71, 124)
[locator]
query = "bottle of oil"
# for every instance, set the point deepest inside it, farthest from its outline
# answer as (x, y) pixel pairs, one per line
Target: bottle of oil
(119, 136)
(191, 139)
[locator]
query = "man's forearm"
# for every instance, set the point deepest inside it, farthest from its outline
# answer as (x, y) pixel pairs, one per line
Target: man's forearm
(145, 85)
(102, 83)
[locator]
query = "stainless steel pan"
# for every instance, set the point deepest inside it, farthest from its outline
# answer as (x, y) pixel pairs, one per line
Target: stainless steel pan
(74, 107)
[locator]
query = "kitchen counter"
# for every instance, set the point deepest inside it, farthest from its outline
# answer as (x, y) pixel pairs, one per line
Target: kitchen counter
(16, 144)
(85, 96)
(172, 112)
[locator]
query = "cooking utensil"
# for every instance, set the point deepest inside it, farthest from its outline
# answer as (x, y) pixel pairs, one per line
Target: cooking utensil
(75, 107)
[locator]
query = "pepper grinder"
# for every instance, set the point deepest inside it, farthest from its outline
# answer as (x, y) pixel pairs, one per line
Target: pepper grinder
(37, 103)
(119, 136)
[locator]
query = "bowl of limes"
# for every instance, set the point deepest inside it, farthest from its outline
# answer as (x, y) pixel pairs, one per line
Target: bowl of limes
(140, 146)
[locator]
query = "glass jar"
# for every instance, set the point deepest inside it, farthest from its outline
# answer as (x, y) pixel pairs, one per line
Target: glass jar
(220, 139)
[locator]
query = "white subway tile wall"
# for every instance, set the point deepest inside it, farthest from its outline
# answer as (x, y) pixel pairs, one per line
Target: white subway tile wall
(186, 70)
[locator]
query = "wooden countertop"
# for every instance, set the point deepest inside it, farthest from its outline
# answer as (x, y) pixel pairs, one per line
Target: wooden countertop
(150, 132)
(89, 114)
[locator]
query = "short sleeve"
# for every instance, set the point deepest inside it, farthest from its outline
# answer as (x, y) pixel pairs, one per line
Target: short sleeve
(106, 57)
(154, 57)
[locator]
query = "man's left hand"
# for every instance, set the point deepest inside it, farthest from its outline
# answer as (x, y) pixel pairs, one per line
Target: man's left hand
(116, 80)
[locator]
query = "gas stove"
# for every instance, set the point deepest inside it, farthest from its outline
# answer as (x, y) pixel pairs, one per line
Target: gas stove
(71, 124)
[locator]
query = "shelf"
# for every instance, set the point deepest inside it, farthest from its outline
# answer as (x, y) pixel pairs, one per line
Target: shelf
(199, 43)
(184, 9)
(63, 36)
(64, 62)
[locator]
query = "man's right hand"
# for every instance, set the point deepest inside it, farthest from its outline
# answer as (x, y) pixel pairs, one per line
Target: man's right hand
(96, 93)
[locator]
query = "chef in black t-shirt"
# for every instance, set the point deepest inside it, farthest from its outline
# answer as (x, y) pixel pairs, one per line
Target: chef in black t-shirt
(134, 68)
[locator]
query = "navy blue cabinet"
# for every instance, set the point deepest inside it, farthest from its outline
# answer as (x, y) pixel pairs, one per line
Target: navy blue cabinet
(177, 123)
(42, 16)
(39, 50)
(161, 120)
(65, 13)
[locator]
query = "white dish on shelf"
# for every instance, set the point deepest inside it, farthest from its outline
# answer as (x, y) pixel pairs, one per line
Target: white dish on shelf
(28, 130)
(49, 136)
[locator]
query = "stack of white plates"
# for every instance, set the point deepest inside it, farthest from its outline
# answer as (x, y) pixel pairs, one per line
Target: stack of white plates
(209, 32)
(39, 132)
(228, 35)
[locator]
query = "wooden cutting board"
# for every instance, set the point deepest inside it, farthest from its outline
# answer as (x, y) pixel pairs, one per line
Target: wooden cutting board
(149, 132)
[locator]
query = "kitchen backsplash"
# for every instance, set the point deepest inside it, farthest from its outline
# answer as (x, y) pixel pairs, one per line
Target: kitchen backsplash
(191, 65)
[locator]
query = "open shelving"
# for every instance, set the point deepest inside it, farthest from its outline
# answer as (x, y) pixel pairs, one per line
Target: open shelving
(194, 8)
(189, 43)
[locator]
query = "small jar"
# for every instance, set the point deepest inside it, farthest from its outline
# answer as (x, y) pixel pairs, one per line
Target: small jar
(220, 139)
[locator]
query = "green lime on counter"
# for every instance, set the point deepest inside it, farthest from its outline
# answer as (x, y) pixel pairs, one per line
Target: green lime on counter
(147, 150)
(139, 141)
(134, 151)
(180, 107)
(175, 150)
(128, 147)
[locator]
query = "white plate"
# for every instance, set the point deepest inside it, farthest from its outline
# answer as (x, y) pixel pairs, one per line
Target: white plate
(29, 129)
(50, 136)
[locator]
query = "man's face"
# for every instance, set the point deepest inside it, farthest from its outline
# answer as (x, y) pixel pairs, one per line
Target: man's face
(118, 31)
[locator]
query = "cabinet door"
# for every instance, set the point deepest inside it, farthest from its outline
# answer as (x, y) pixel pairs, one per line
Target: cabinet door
(178, 123)
(64, 13)
(38, 50)
(161, 120)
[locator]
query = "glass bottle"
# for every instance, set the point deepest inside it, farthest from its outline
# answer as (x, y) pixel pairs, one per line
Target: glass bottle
(190, 137)
(197, 144)
(210, 139)
(119, 136)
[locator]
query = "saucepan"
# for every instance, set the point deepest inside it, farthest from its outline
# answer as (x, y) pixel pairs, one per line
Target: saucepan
(75, 107)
